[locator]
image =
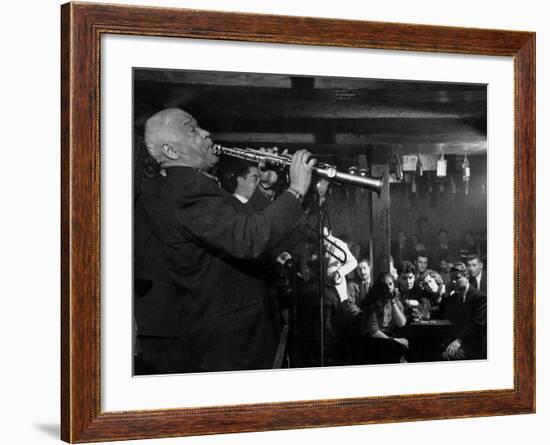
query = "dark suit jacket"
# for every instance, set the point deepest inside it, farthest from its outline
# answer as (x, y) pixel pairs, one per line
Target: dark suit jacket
(469, 318)
(154, 308)
(483, 282)
(227, 320)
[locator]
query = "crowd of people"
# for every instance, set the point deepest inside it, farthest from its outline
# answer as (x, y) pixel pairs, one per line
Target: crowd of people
(428, 277)
(222, 258)
(413, 293)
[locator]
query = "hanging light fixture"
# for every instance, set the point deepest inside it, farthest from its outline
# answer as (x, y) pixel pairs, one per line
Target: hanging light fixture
(441, 166)
(466, 173)
(419, 166)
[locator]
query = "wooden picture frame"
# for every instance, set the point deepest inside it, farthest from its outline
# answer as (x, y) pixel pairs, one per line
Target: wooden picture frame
(82, 26)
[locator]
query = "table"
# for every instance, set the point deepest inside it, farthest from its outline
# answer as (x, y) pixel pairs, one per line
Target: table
(425, 338)
(425, 328)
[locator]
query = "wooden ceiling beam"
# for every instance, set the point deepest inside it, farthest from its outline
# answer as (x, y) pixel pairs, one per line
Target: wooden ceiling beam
(252, 80)
(354, 139)
(262, 95)
(289, 108)
(371, 125)
(455, 147)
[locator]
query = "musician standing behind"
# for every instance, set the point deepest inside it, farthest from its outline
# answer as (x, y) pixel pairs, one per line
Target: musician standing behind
(225, 316)
(338, 315)
(242, 180)
(340, 262)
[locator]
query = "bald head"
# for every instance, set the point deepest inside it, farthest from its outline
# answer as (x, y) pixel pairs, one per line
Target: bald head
(174, 138)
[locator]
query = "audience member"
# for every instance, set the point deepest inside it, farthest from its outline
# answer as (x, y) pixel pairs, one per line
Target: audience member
(421, 264)
(478, 276)
(358, 288)
(443, 248)
(384, 315)
(409, 291)
(466, 308)
(433, 289)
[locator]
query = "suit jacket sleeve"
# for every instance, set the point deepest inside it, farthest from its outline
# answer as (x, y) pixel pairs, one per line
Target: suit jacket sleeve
(210, 218)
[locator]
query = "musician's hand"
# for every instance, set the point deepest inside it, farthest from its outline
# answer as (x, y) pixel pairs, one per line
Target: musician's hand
(300, 171)
(453, 348)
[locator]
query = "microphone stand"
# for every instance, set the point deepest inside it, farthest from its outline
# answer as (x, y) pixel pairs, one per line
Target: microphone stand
(321, 192)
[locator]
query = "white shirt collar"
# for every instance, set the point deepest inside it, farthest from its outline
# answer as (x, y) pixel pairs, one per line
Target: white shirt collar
(240, 198)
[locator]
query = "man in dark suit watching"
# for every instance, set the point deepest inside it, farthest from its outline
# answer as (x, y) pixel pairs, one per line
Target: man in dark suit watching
(466, 308)
(224, 313)
(478, 276)
(247, 179)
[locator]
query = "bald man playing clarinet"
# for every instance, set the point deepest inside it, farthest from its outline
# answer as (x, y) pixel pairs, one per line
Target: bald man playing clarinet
(225, 318)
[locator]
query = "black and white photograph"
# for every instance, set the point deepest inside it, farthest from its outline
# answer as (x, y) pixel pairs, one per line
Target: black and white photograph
(292, 221)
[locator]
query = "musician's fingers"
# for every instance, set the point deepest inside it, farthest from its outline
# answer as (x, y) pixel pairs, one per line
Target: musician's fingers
(308, 159)
(304, 155)
(299, 156)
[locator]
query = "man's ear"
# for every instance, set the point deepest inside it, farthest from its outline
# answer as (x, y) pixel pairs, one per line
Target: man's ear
(169, 152)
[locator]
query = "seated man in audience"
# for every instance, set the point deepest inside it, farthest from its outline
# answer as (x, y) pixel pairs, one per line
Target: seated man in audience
(466, 308)
(358, 288)
(421, 264)
(478, 276)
